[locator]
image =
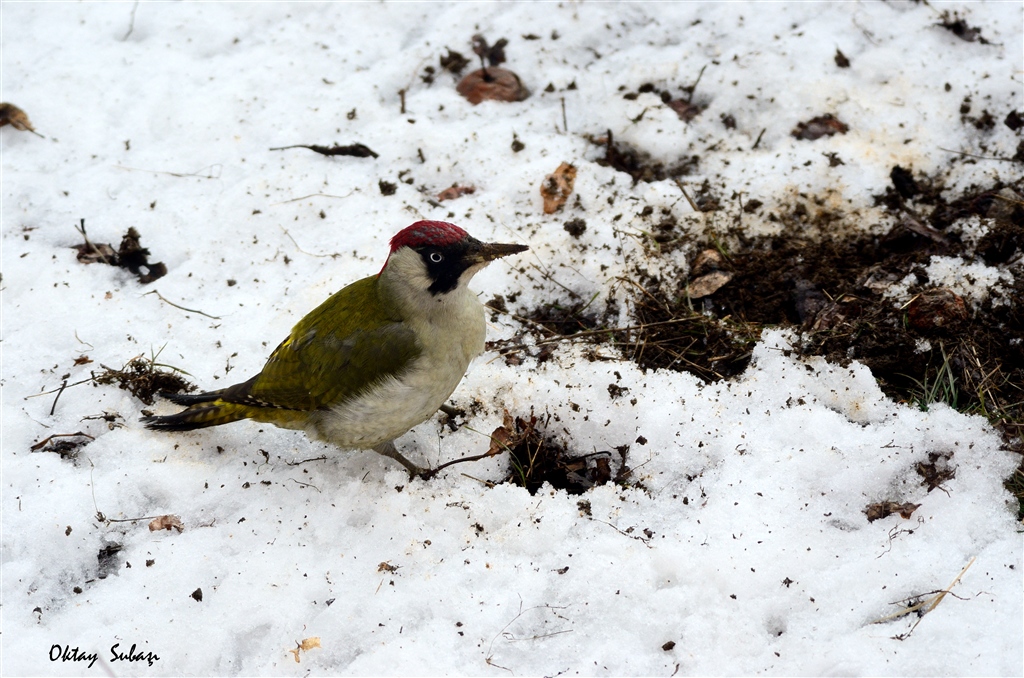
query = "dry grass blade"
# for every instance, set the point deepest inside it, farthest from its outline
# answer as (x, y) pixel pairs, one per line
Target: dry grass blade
(927, 605)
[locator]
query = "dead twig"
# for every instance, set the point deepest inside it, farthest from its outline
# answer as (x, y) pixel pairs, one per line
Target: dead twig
(190, 310)
(758, 141)
(512, 638)
(430, 473)
(131, 21)
(305, 484)
(590, 333)
(312, 195)
(354, 150)
(129, 520)
(303, 461)
(81, 229)
(624, 534)
(59, 388)
(686, 195)
(335, 255)
(209, 175)
(42, 443)
(925, 606)
(972, 155)
(63, 386)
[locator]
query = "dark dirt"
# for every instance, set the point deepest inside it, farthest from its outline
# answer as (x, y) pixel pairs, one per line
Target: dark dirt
(575, 227)
(130, 255)
(67, 445)
(960, 28)
(638, 164)
(830, 287)
(107, 561)
(937, 470)
(144, 380)
(821, 126)
(536, 459)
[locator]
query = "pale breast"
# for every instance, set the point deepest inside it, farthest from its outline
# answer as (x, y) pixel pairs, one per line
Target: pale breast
(450, 340)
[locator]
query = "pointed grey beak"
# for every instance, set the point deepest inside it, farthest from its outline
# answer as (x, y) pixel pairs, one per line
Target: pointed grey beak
(482, 252)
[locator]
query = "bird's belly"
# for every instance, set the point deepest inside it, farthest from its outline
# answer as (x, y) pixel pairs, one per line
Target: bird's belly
(394, 406)
(391, 408)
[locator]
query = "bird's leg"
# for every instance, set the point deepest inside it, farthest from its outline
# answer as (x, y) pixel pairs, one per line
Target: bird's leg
(450, 410)
(388, 450)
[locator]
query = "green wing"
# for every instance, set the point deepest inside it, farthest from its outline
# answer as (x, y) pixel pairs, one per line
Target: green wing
(342, 348)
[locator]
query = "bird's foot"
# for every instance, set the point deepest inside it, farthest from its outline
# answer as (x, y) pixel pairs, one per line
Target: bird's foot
(451, 410)
(388, 450)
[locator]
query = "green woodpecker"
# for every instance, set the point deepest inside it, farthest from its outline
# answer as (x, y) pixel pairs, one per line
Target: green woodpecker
(375, 359)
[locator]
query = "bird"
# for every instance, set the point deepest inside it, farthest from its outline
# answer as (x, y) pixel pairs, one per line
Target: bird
(372, 361)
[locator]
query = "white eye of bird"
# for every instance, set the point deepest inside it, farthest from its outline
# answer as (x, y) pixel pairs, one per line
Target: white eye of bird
(436, 257)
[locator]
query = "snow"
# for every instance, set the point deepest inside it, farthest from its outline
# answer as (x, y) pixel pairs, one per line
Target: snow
(973, 281)
(749, 548)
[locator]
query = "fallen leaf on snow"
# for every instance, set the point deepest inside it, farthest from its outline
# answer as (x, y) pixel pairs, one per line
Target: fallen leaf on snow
(557, 187)
(492, 84)
(15, 117)
(884, 509)
(167, 522)
(822, 126)
(685, 110)
(131, 255)
(455, 191)
(305, 646)
(505, 436)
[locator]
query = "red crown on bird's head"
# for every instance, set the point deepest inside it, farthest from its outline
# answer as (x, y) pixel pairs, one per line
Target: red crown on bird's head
(424, 233)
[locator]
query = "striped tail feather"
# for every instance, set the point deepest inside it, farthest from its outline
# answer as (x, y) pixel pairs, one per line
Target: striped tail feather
(191, 398)
(200, 414)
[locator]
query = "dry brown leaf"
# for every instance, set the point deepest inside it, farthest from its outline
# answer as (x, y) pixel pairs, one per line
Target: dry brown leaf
(167, 522)
(685, 110)
(708, 284)
(453, 62)
(503, 437)
(937, 307)
(131, 255)
(706, 261)
(557, 187)
(305, 646)
(822, 126)
(14, 116)
(387, 567)
(455, 191)
(92, 252)
(495, 54)
(511, 433)
(884, 509)
(492, 84)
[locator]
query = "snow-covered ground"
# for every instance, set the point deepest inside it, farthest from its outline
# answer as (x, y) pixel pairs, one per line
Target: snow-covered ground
(747, 551)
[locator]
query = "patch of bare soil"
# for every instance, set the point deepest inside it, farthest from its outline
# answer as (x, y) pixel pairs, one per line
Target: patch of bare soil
(831, 286)
(144, 379)
(638, 164)
(535, 459)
